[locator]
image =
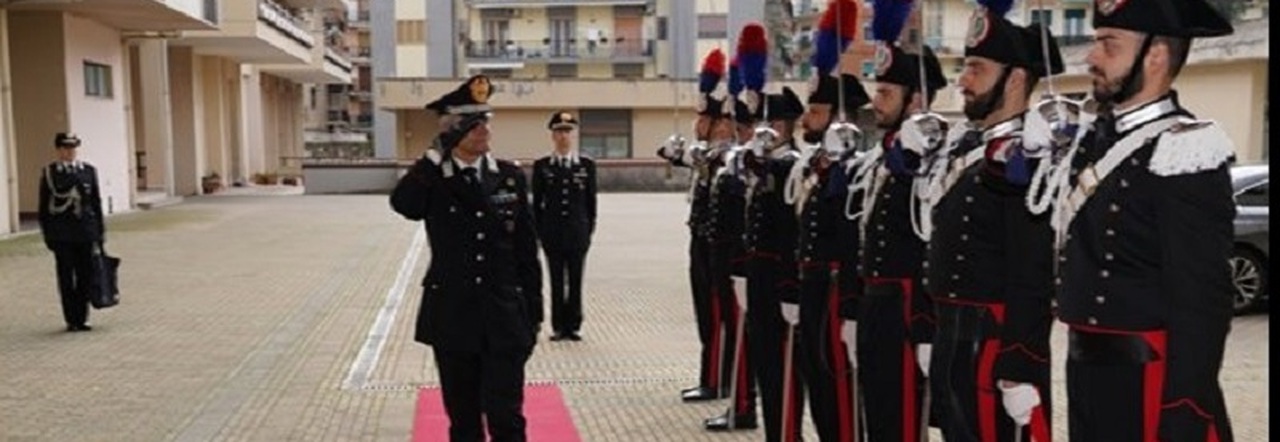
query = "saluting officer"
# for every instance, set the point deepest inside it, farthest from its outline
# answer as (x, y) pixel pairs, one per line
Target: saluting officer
(71, 222)
(990, 268)
(896, 320)
(564, 208)
(1146, 289)
(482, 303)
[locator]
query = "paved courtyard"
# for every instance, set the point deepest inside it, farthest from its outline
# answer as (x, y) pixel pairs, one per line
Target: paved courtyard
(285, 317)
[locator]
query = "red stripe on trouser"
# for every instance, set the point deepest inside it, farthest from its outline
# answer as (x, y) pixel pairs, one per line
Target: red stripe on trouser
(987, 391)
(1040, 424)
(844, 404)
(741, 375)
(1153, 386)
(909, 413)
(714, 354)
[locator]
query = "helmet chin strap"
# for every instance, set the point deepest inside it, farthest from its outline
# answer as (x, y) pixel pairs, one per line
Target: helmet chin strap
(1129, 87)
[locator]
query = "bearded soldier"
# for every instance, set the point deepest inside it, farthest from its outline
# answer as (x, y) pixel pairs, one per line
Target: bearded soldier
(989, 267)
(1146, 217)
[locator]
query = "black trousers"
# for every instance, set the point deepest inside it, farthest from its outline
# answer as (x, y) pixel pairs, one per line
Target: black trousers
(892, 383)
(704, 313)
(566, 299)
(766, 279)
(483, 389)
(828, 374)
(964, 383)
(75, 278)
(1114, 398)
(727, 313)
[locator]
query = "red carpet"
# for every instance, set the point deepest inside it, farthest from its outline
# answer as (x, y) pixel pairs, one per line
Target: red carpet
(544, 409)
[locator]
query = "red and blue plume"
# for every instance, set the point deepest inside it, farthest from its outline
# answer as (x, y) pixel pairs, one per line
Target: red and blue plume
(753, 56)
(890, 17)
(735, 77)
(998, 8)
(712, 71)
(836, 29)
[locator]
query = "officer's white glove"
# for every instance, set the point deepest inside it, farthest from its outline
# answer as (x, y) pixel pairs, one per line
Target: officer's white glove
(740, 291)
(791, 313)
(1019, 400)
(923, 353)
(849, 333)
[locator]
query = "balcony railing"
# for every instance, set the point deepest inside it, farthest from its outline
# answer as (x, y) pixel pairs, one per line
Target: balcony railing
(337, 59)
(548, 49)
(282, 20)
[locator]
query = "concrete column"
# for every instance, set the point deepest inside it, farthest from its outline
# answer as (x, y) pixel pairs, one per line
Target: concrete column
(212, 111)
(157, 116)
(186, 105)
(41, 97)
(382, 15)
(682, 32)
(8, 152)
(247, 158)
(442, 40)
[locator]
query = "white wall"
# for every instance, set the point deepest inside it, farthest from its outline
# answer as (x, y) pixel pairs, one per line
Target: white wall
(100, 122)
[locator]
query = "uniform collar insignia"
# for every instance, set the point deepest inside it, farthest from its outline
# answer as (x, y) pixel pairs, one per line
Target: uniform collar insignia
(1005, 129)
(1127, 120)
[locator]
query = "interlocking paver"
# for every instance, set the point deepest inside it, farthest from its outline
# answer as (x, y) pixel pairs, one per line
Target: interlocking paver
(242, 317)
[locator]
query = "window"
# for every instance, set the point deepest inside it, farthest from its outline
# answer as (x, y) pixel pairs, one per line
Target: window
(662, 28)
(411, 32)
(1075, 22)
(1043, 17)
(562, 71)
(97, 80)
(605, 133)
(628, 70)
(713, 26)
(1255, 196)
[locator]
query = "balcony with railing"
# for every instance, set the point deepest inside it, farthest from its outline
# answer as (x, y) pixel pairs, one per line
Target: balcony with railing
(332, 56)
(279, 17)
(134, 15)
(258, 32)
(619, 50)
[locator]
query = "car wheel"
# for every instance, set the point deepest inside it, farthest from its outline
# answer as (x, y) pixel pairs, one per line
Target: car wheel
(1249, 275)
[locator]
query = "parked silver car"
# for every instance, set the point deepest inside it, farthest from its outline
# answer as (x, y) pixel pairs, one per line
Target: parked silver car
(1249, 268)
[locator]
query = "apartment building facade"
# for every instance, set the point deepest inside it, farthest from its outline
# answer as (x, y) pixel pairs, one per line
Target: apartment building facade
(163, 93)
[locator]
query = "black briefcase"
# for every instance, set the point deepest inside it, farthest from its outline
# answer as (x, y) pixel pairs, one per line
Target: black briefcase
(105, 292)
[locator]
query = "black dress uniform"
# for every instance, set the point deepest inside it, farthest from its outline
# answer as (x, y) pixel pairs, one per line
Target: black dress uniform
(71, 221)
(1146, 291)
(727, 219)
(826, 250)
(564, 208)
(896, 315)
(990, 261)
(482, 302)
(711, 367)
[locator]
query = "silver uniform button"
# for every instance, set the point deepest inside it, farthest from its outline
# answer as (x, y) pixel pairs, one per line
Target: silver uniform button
(966, 218)
(881, 243)
(924, 264)
(1104, 274)
(1100, 299)
(968, 199)
(964, 237)
(1093, 321)
(955, 277)
(479, 280)
(479, 214)
(1057, 281)
(1124, 184)
(952, 294)
(1111, 232)
(1115, 208)
(480, 258)
(480, 236)
(959, 257)
(453, 209)
(1108, 257)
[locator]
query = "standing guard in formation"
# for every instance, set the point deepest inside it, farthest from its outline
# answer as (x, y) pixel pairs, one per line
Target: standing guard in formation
(564, 209)
(728, 215)
(482, 303)
(826, 242)
(714, 132)
(990, 261)
(1146, 214)
(896, 318)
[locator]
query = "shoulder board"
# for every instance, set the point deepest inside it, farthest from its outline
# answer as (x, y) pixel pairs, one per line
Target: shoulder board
(433, 156)
(1191, 146)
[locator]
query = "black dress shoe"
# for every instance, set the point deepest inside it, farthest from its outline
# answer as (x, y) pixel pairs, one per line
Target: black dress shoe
(78, 328)
(558, 336)
(698, 394)
(572, 336)
(721, 422)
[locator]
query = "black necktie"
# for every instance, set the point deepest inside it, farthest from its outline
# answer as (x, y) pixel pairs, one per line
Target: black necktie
(471, 176)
